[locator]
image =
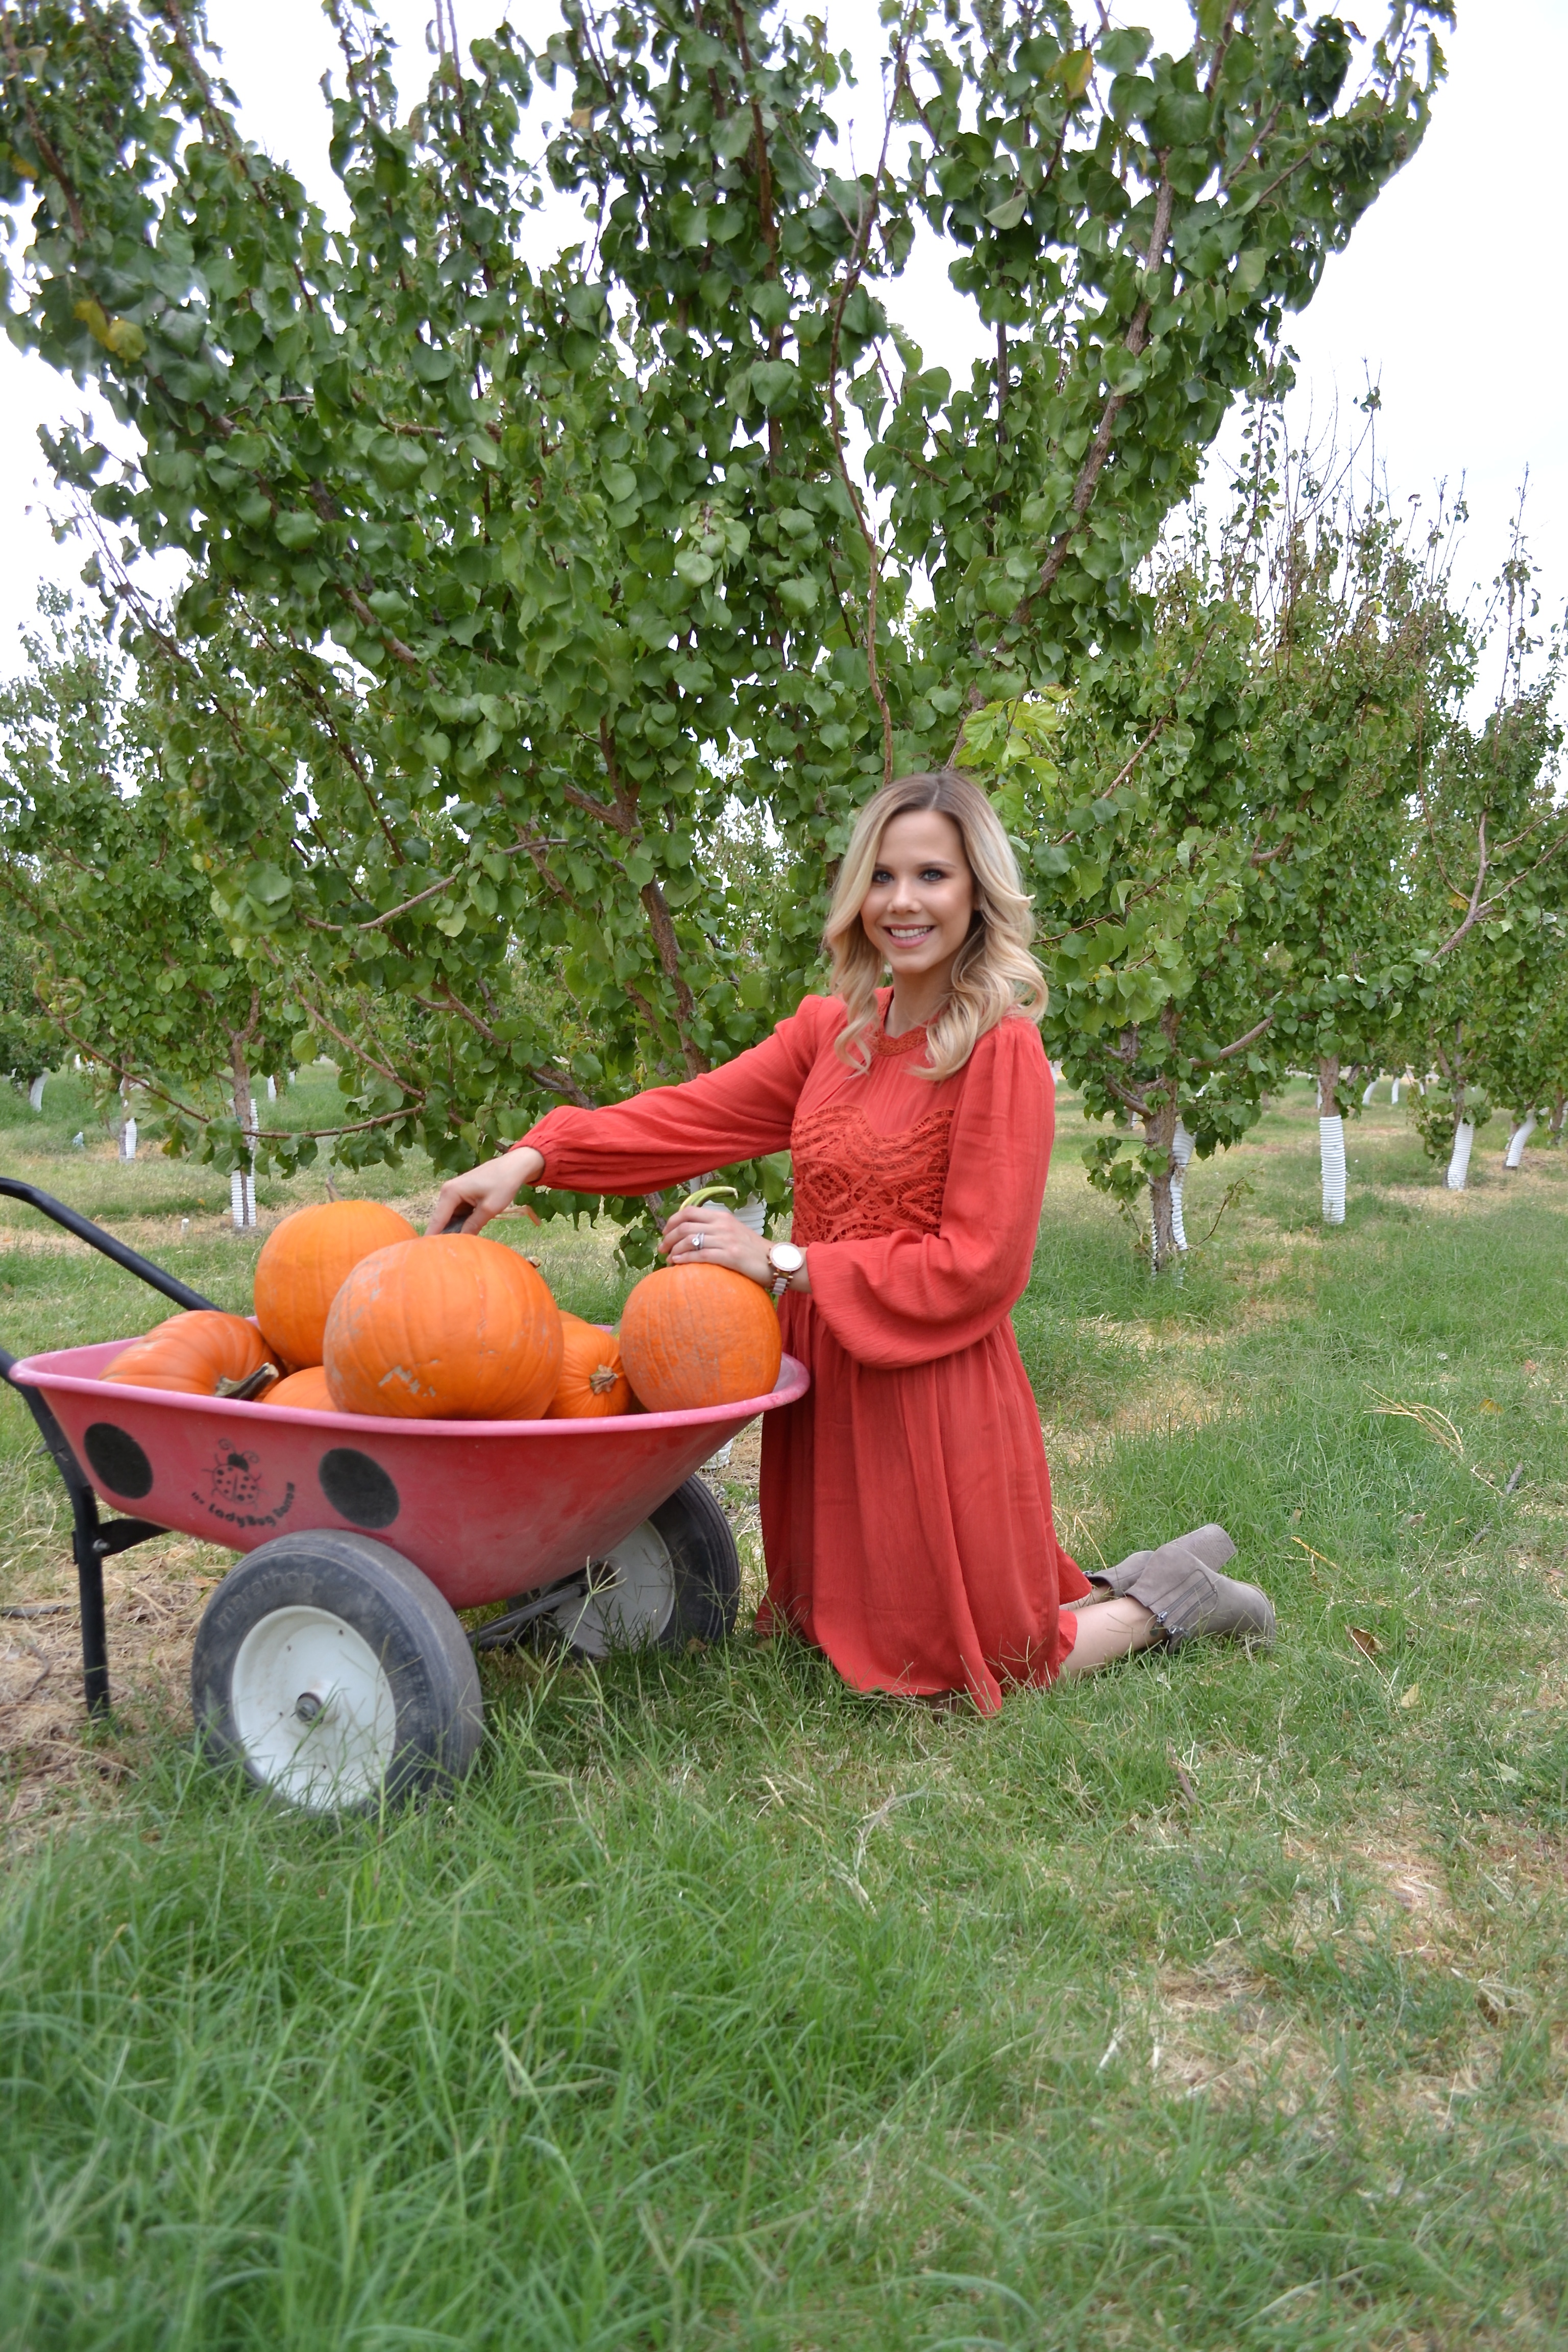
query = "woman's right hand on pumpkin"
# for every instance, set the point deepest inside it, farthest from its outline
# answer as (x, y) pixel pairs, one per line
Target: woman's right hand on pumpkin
(484, 1191)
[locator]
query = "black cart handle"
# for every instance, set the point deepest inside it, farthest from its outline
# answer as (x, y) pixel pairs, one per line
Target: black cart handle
(13, 1189)
(93, 1541)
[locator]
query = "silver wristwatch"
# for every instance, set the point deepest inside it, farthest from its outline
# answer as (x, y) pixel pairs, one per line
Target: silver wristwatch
(786, 1259)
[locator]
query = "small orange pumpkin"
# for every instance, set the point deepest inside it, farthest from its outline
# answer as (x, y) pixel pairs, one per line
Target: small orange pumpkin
(448, 1327)
(307, 1391)
(304, 1263)
(592, 1381)
(203, 1353)
(698, 1335)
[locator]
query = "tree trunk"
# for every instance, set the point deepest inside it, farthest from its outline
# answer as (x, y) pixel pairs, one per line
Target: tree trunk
(1559, 1106)
(1160, 1135)
(1514, 1156)
(1371, 1090)
(1332, 1140)
(35, 1092)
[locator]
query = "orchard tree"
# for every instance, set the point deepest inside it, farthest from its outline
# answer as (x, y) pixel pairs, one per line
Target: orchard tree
(506, 580)
(1136, 801)
(129, 969)
(1486, 868)
(1527, 1045)
(1191, 811)
(26, 1044)
(1365, 663)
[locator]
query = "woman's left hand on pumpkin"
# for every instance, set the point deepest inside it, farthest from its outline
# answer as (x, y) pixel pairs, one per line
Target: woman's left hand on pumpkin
(710, 1236)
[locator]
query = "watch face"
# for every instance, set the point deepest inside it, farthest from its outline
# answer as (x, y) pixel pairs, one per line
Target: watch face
(785, 1259)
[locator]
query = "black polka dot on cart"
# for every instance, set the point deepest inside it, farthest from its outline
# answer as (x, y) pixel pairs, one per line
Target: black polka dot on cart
(117, 1461)
(358, 1488)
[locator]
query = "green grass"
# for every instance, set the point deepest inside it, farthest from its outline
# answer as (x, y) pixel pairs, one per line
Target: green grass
(1217, 2002)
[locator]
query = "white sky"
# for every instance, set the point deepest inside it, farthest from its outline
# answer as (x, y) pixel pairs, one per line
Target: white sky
(1445, 296)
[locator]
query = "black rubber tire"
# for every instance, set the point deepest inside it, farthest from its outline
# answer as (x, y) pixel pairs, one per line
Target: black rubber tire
(411, 1631)
(707, 1566)
(700, 1574)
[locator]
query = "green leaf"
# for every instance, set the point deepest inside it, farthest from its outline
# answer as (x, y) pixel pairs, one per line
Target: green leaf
(1121, 51)
(296, 530)
(773, 380)
(799, 596)
(268, 885)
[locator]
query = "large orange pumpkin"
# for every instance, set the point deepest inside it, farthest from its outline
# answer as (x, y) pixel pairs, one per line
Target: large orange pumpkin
(698, 1335)
(592, 1381)
(307, 1391)
(304, 1263)
(203, 1353)
(444, 1329)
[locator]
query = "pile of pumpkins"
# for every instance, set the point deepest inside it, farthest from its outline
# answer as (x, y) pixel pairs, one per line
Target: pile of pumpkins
(356, 1313)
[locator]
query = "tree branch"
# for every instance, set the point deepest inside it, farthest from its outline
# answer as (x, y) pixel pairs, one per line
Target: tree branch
(1241, 1043)
(1100, 447)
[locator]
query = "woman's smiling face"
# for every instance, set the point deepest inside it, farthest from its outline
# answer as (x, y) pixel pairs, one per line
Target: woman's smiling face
(919, 908)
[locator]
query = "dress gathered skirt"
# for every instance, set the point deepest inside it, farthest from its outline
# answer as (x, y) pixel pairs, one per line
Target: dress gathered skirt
(906, 1503)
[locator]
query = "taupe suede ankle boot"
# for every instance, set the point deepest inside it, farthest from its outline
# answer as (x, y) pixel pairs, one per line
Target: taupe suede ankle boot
(1183, 1590)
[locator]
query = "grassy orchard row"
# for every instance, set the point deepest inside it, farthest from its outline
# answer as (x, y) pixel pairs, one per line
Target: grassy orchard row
(731, 2008)
(356, 1313)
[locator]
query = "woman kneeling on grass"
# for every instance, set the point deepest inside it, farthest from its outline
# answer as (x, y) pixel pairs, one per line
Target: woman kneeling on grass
(906, 1504)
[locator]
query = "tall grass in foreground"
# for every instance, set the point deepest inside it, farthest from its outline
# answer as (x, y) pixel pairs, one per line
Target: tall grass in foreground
(1215, 2003)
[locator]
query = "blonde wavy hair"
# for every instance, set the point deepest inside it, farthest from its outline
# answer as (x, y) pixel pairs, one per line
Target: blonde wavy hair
(994, 974)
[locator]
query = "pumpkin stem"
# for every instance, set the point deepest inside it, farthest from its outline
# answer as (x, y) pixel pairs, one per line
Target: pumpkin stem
(246, 1390)
(706, 1193)
(601, 1379)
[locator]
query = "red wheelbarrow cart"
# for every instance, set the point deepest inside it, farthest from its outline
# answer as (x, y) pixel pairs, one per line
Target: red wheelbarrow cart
(330, 1664)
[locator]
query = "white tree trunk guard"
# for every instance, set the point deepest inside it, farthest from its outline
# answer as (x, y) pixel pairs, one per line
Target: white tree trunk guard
(1394, 1092)
(1369, 1094)
(242, 1183)
(1459, 1165)
(1181, 1152)
(128, 1139)
(271, 1089)
(1514, 1156)
(35, 1092)
(1332, 1154)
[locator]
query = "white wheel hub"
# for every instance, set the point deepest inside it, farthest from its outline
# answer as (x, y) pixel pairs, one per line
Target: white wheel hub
(630, 1597)
(313, 1708)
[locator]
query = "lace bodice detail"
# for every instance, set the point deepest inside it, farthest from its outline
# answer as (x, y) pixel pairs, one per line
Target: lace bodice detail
(852, 1184)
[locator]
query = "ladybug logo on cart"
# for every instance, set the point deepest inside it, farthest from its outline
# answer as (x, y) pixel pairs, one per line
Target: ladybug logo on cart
(238, 1490)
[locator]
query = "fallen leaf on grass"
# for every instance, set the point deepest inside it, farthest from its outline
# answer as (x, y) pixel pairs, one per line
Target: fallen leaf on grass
(1367, 1644)
(1411, 1698)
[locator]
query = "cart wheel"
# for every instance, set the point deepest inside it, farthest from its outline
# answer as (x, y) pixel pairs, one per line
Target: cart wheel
(332, 1670)
(674, 1580)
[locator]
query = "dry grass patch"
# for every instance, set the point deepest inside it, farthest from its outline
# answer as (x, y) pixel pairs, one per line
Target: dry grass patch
(1166, 1404)
(54, 1758)
(1212, 2032)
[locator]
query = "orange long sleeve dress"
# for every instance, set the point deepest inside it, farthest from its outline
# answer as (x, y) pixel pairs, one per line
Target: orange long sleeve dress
(906, 1504)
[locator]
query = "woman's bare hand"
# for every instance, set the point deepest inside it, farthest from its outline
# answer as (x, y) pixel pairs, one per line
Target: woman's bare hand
(484, 1191)
(710, 1236)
